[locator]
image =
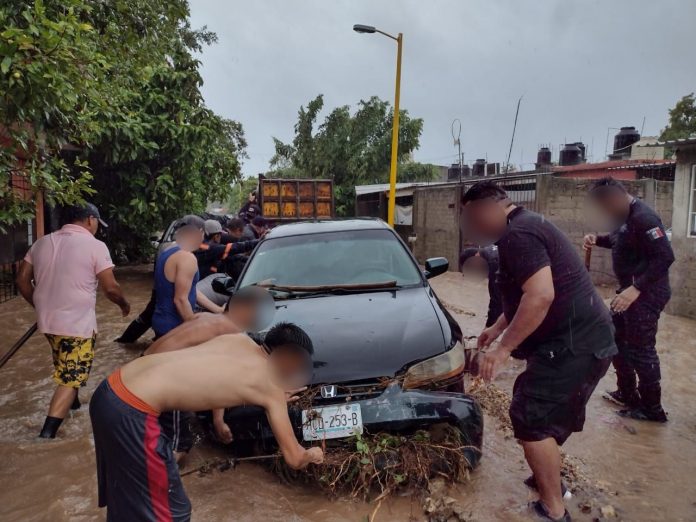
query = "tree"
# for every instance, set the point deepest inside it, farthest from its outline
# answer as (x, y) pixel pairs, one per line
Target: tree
(132, 107)
(682, 119)
(350, 148)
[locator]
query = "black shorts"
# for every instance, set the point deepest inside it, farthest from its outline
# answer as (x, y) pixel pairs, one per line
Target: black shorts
(138, 478)
(176, 425)
(549, 397)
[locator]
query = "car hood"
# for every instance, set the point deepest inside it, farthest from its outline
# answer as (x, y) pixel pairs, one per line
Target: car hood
(369, 335)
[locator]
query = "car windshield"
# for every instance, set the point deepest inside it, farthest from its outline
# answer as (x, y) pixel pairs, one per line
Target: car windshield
(337, 258)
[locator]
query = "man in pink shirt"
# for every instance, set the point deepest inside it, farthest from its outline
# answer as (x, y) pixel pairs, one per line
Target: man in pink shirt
(66, 267)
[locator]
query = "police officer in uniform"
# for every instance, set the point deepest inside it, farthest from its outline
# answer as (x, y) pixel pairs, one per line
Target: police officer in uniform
(641, 257)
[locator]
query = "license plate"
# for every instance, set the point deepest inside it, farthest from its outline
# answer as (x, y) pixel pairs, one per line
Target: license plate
(332, 422)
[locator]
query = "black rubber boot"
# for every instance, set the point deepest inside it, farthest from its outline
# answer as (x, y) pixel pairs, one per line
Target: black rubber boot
(76, 405)
(50, 427)
(618, 398)
(644, 414)
(134, 331)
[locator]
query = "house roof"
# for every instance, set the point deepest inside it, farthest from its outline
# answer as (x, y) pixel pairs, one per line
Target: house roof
(611, 165)
(690, 142)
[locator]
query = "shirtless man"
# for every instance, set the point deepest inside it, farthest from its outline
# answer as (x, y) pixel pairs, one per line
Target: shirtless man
(137, 474)
(249, 310)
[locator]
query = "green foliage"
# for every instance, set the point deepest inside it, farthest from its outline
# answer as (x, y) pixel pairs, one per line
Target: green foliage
(350, 148)
(682, 119)
(49, 70)
(119, 80)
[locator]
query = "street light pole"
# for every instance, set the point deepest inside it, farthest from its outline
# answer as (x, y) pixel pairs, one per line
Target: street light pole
(395, 136)
(395, 127)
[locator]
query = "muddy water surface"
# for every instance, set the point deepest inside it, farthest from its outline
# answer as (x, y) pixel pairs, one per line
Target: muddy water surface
(645, 471)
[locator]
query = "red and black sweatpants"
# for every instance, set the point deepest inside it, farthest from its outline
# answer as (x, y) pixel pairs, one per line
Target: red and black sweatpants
(137, 474)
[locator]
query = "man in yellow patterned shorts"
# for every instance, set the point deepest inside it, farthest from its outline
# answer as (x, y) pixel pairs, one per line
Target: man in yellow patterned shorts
(66, 267)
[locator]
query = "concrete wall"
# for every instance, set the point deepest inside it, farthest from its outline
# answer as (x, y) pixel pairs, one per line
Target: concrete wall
(436, 223)
(561, 200)
(683, 272)
(564, 202)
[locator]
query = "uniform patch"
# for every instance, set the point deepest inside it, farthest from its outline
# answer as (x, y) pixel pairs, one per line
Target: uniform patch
(655, 233)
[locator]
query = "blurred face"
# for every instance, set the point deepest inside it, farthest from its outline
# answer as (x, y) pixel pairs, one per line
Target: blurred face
(252, 197)
(614, 204)
(216, 238)
(252, 315)
(236, 232)
(92, 224)
(189, 238)
(484, 221)
(291, 367)
(475, 267)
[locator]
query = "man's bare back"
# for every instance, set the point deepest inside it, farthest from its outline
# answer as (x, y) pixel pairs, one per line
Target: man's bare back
(203, 327)
(230, 370)
(227, 371)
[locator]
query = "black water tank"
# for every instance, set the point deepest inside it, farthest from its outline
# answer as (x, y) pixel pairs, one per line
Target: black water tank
(453, 173)
(623, 140)
(581, 146)
(543, 157)
(570, 154)
(479, 168)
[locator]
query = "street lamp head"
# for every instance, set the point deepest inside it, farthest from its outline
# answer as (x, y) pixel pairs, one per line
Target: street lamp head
(359, 28)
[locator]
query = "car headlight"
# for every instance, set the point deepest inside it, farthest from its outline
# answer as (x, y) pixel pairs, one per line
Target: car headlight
(440, 368)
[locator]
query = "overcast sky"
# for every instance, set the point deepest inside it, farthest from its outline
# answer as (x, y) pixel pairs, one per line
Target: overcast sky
(582, 66)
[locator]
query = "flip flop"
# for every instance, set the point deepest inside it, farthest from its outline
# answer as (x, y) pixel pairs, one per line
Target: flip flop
(539, 509)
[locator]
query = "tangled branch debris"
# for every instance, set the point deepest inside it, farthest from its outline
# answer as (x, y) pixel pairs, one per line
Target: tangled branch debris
(374, 466)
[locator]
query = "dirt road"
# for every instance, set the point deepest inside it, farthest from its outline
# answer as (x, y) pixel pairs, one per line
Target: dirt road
(644, 470)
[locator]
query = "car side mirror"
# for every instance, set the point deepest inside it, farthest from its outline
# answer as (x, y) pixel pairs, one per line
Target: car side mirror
(155, 239)
(223, 285)
(436, 266)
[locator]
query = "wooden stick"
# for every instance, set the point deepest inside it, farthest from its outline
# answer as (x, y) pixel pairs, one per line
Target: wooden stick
(16, 346)
(233, 461)
(588, 258)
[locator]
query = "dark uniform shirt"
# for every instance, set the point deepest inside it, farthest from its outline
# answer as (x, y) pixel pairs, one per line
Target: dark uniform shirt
(490, 255)
(211, 255)
(641, 252)
(577, 319)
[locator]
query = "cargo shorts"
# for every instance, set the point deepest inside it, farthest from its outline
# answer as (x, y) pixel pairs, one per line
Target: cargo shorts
(72, 359)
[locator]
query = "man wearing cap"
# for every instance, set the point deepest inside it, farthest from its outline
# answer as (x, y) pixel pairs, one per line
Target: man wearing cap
(66, 267)
(176, 275)
(256, 229)
(214, 259)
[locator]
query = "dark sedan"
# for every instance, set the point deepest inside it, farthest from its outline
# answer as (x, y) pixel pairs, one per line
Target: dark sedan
(388, 356)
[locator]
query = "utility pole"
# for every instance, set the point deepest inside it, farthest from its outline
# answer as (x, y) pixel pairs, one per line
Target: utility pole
(458, 143)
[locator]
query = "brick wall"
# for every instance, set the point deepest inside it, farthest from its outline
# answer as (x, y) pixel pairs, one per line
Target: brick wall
(562, 200)
(435, 223)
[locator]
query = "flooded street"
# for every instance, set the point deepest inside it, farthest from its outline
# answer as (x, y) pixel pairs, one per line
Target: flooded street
(644, 471)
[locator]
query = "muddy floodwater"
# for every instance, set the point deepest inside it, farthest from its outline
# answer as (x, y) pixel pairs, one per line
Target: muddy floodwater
(644, 472)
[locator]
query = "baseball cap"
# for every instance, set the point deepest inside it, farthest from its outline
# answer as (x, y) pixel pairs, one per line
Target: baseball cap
(78, 212)
(190, 220)
(212, 227)
(259, 221)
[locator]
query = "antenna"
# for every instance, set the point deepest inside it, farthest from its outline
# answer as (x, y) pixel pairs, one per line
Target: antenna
(457, 141)
(642, 127)
(512, 140)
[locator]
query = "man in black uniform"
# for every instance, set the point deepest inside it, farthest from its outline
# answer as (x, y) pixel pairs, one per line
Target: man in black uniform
(484, 261)
(553, 318)
(641, 256)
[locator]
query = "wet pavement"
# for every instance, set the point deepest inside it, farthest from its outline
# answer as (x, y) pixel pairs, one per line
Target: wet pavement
(644, 471)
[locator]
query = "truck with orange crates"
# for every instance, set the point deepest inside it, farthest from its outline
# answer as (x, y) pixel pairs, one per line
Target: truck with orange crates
(286, 200)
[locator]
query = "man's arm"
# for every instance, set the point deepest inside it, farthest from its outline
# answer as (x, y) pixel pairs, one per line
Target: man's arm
(24, 279)
(202, 328)
(112, 290)
(185, 270)
(222, 430)
(205, 302)
(294, 454)
(538, 294)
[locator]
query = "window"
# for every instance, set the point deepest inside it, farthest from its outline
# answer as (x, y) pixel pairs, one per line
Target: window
(692, 203)
(350, 257)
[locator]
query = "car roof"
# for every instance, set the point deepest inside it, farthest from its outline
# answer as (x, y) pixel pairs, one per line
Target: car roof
(326, 225)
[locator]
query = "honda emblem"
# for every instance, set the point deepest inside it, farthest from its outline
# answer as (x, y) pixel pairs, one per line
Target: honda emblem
(328, 391)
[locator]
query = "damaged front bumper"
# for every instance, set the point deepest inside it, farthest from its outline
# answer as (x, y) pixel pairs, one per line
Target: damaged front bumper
(395, 411)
